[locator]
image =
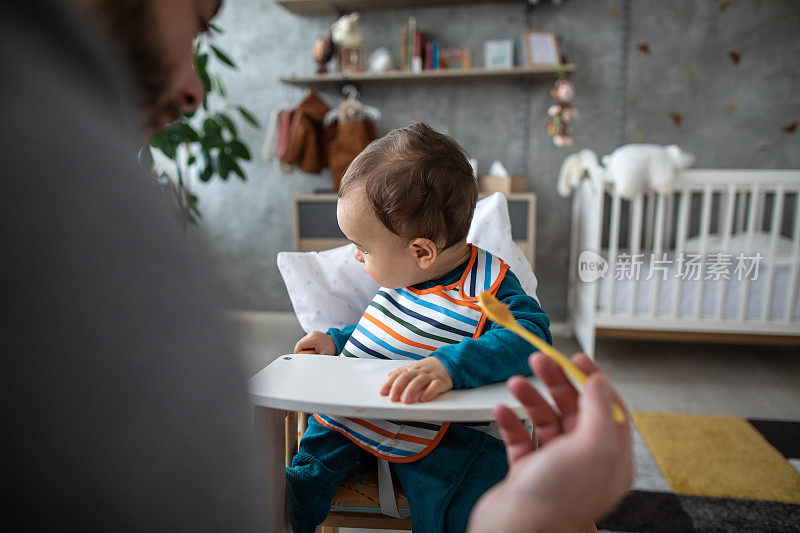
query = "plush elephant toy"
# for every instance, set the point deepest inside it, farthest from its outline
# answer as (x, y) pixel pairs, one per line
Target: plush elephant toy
(632, 168)
(577, 167)
(639, 167)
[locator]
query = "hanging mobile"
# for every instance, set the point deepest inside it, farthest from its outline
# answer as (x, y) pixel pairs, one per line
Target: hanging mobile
(561, 113)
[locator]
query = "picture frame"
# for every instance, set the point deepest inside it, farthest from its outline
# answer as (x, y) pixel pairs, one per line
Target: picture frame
(498, 54)
(541, 48)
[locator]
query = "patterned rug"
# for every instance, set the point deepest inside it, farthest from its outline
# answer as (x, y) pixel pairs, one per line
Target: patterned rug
(698, 473)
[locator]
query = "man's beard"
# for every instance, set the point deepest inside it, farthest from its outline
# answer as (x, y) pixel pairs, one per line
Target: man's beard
(132, 26)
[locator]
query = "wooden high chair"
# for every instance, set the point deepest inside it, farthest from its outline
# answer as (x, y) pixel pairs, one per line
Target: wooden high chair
(346, 386)
(356, 504)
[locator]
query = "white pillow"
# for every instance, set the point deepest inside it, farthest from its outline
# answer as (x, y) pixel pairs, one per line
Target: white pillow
(331, 289)
(491, 230)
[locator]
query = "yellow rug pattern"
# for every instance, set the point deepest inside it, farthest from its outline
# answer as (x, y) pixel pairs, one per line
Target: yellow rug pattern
(717, 456)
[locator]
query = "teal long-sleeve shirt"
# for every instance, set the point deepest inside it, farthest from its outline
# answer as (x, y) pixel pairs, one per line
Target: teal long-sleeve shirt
(498, 353)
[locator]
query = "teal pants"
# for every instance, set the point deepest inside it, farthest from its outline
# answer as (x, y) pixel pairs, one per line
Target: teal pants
(442, 487)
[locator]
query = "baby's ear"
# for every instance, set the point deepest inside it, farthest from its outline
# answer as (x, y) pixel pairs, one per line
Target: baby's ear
(424, 251)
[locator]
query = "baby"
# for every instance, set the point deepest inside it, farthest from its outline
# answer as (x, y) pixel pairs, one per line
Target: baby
(406, 202)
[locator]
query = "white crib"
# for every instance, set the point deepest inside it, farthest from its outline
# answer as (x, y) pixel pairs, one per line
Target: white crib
(745, 220)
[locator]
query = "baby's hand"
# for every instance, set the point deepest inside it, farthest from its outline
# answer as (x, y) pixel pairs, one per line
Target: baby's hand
(421, 381)
(320, 342)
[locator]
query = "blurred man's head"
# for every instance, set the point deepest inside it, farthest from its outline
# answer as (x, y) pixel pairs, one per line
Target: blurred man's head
(156, 38)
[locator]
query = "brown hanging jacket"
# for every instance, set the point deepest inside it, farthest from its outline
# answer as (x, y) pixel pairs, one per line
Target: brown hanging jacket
(344, 141)
(305, 147)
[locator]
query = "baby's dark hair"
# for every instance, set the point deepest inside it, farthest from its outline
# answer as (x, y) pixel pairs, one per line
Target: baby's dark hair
(419, 183)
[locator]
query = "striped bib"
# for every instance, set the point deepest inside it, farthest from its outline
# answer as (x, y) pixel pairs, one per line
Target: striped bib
(411, 324)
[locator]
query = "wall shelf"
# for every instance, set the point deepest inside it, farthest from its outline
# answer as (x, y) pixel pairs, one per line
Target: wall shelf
(467, 74)
(335, 7)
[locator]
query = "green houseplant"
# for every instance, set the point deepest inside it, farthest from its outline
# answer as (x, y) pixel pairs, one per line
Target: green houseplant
(204, 143)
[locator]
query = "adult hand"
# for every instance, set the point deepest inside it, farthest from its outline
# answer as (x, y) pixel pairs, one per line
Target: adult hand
(584, 466)
(321, 343)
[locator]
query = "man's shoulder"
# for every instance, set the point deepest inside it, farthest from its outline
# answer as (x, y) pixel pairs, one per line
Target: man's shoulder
(52, 47)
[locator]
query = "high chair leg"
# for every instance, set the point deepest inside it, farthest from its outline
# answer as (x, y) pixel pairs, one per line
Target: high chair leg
(303, 423)
(290, 431)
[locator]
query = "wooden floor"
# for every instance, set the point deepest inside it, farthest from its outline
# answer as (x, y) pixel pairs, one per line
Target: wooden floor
(721, 379)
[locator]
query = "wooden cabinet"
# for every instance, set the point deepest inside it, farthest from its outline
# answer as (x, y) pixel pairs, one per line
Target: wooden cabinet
(316, 229)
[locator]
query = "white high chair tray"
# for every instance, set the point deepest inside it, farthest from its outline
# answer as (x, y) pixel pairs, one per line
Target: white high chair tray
(347, 386)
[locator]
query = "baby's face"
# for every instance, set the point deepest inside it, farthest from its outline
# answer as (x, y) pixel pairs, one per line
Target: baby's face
(387, 257)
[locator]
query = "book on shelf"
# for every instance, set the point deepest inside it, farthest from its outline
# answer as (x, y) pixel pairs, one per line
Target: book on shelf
(412, 32)
(431, 55)
(417, 53)
(412, 47)
(456, 58)
(409, 36)
(403, 48)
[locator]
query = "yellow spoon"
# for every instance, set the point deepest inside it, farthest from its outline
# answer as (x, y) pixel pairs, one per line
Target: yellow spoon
(498, 312)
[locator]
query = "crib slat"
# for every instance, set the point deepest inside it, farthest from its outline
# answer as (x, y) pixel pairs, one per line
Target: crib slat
(794, 270)
(669, 225)
(613, 246)
(740, 211)
(596, 244)
(635, 246)
(680, 244)
(727, 229)
(658, 248)
(777, 217)
(648, 228)
(705, 221)
(762, 198)
(752, 215)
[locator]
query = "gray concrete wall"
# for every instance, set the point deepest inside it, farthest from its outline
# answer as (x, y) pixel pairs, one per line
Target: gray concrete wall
(732, 115)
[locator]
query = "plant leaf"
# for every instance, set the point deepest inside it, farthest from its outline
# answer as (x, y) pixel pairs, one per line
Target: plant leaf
(193, 202)
(161, 140)
(207, 171)
(238, 170)
(229, 123)
(239, 150)
(212, 137)
(220, 86)
(248, 117)
(201, 61)
(222, 56)
(206, 83)
(157, 139)
(211, 125)
(185, 132)
(225, 165)
(200, 64)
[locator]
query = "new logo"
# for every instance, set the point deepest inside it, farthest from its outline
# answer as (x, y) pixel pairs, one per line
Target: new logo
(591, 266)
